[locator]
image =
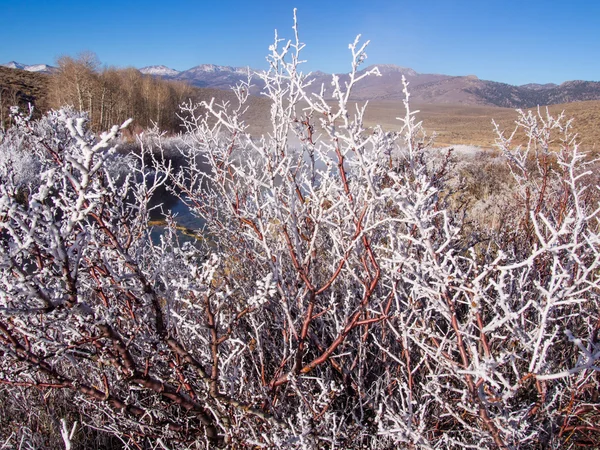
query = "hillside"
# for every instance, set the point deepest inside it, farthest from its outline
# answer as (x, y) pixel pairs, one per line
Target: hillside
(470, 90)
(21, 87)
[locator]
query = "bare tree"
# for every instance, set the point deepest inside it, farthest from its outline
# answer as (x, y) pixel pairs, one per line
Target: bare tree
(74, 82)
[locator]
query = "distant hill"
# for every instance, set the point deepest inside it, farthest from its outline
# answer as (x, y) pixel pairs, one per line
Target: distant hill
(22, 85)
(490, 93)
(470, 90)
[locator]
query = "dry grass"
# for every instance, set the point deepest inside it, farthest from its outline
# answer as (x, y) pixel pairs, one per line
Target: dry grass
(455, 124)
(19, 88)
(472, 125)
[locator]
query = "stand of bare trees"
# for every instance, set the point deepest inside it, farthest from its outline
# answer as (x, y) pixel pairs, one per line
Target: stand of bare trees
(112, 95)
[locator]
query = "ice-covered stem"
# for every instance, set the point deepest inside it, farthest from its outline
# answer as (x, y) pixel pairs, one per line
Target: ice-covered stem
(67, 435)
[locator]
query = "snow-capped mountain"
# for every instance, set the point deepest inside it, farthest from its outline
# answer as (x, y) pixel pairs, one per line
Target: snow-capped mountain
(203, 75)
(219, 77)
(424, 88)
(159, 71)
(42, 68)
(39, 68)
(213, 68)
(14, 65)
(392, 68)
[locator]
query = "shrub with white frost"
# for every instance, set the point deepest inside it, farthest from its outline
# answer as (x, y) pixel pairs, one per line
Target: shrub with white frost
(16, 161)
(335, 297)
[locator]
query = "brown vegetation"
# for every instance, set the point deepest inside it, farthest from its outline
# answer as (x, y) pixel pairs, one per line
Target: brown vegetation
(472, 125)
(112, 95)
(20, 88)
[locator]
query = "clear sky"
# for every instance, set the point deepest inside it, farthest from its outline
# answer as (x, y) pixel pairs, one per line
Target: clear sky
(510, 41)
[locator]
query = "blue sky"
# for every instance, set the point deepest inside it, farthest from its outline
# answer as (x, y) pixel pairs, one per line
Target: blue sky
(510, 41)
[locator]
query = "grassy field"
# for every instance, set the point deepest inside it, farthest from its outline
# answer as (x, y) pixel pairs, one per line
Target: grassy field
(455, 124)
(472, 125)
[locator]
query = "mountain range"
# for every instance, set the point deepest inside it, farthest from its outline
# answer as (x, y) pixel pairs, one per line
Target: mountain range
(423, 88)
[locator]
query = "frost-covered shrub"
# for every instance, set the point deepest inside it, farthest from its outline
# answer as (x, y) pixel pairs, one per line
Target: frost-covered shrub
(335, 300)
(23, 147)
(16, 161)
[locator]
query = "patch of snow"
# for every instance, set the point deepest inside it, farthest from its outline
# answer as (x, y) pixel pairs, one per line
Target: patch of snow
(162, 71)
(38, 68)
(383, 68)
(14, 65)
(214, 68)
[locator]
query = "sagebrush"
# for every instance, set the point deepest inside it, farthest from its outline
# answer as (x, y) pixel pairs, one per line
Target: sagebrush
(340, 294)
